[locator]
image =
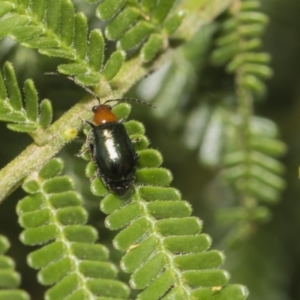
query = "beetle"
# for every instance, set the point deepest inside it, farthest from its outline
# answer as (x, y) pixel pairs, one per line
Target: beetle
(112, 151)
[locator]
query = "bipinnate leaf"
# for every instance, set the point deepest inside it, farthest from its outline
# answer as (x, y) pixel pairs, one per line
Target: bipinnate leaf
(56, 30)
(9, 278)
(246, 146)
(69, 260)
(22, 118)
(176, 84)
(239, 44)
(165, 252)
(255, 172)
(135, 23)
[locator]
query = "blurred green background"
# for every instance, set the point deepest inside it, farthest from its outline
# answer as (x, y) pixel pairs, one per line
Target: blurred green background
(268, 263)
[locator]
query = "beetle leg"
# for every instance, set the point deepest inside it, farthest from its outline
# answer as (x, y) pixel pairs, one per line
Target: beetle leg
(105, 182)
(90, 147)
(79, 154)
(97, 172)
(93, 177)
(88, 142)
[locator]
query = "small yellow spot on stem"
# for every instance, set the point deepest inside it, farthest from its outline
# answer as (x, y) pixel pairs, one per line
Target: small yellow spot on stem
(70, 133)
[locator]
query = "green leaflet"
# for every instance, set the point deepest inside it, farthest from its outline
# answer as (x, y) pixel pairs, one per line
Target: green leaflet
(6, 7)
(151, 47)
(116, 28)
(22, 118)
(70, 260)
(161, 241)
(96, 49)
(9, 278)
(161, 10)
(11, 23)
(113, 65)
(173, 22)
(46, 113)
(135, 35)
(31, 100)
(148, 5)
(80, 35)
(107, 8)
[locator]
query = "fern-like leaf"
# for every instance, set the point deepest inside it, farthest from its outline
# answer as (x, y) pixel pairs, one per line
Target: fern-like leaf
(27, 117)
(252, 144)
(136, 23)
(163, 247)
(179, 78)
(71, 261)
(9, 278)
(239, 45)
(55, 30)
(255, 173)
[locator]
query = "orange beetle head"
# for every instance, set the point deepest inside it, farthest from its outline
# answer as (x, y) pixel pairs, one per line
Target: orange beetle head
(103, 114)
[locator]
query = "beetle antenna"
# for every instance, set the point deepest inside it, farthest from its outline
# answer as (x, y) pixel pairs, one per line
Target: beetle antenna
(97, 97)
(130, 100)
(85, 88)
(78, 83)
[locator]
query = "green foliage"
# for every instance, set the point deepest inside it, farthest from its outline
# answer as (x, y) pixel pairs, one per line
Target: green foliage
(180, 79)
(55, 30)
(222, 128)
(256, 172)
(206, 123)
(52, 214)
(252, 143)
(239, 44)
(164, 250)
(9, 278)
(28, 118)
(140, 24)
